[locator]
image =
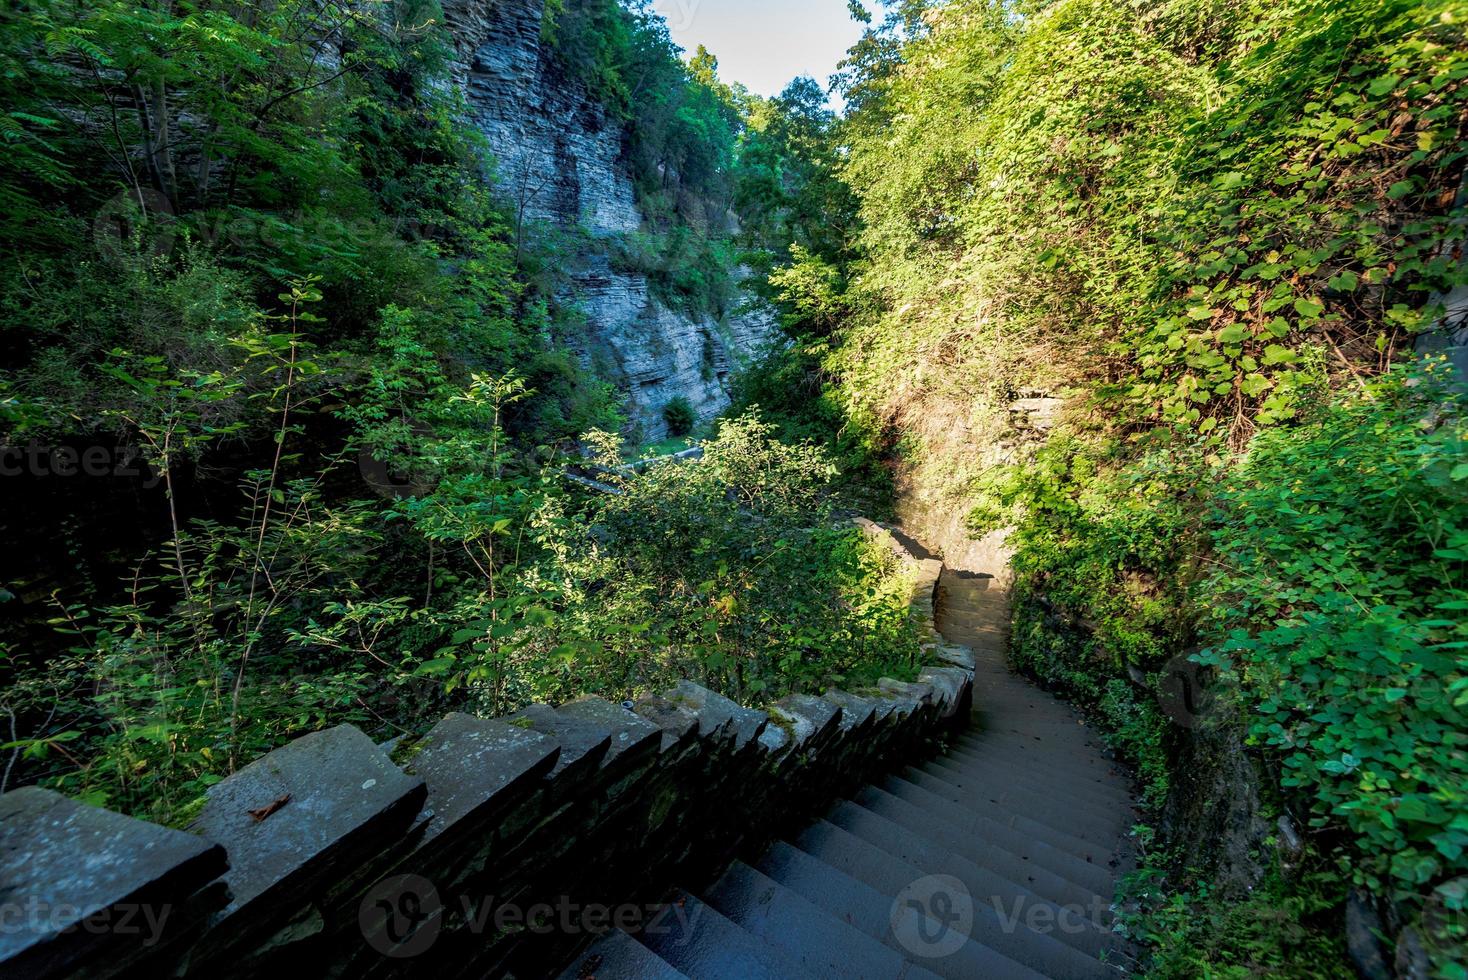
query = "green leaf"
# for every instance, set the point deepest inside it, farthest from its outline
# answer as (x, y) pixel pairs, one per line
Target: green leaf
(1384, 85)
(1234, 334)
(1275, 354)
(1255, 385)
(1309, 308)
(435, 668)
(1401, 189)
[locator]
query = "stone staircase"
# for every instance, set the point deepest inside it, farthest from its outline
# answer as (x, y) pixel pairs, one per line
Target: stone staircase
(997, 860)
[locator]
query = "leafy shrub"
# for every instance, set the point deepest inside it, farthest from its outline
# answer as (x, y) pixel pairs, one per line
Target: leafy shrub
(1338, 622)
(679, 416)
(1285, 929)
(1209, 226)
(692, 575)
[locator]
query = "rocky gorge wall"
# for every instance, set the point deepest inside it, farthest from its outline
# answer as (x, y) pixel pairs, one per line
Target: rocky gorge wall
(560, 166)
(486, 847)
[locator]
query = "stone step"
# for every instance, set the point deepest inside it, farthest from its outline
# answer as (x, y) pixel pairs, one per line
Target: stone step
(1074, 925)
(1055, 808)
(702, 943)
(618, 956)
(822, 944)
(881, 917)
(1089, 769)
(1060, 758)
(973, 617)
(1063, 750)
(1072, 857)
(1039, 721)
(952, 621)
(1032, 720)
(996, 682)
(1010, 935)
(1103, 840)
(1006, 772)
(990, 648)
(1062, 878)
(988, 853)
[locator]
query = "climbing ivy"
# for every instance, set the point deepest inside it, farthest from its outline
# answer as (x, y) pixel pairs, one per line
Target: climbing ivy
(1337, 619)
(1216, 230)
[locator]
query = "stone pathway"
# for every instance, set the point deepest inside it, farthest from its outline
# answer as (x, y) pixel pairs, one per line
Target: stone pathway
(998, 859)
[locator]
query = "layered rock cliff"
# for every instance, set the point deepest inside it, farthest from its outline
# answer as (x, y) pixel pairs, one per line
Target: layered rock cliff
(559, 164)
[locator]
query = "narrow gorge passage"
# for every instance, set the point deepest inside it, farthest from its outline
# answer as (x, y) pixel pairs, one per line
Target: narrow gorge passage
(998, 859)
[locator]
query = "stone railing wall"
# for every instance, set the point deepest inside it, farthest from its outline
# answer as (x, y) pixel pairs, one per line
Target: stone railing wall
(924, 573)
(487, 847)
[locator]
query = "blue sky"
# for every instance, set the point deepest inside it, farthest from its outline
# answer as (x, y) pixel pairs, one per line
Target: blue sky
(765, 43)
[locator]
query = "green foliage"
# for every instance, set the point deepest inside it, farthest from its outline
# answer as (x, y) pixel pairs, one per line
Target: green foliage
(1204, 215)
(787, 386)
(691, 569)
(360, 514)
(789, 174)
(679, 416)
(1338, 623)
(1104, 560)
(812, 291)
(1286, 929)
(1213, 228)
(682, 120)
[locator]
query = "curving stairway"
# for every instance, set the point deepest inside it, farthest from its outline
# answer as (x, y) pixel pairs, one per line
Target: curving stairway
(998, 859)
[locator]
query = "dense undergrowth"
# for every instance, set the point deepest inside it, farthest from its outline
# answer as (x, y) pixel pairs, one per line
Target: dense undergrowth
(1215, 231)
(258, 247)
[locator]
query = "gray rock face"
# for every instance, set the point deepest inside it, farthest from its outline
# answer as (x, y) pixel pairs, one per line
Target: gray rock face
(560, 166)
(855, 711)
(809, 719)
(76, 881)
(1040, 413)
(557, 153)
